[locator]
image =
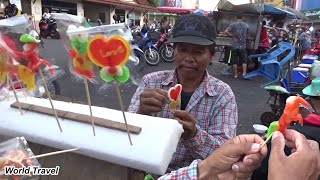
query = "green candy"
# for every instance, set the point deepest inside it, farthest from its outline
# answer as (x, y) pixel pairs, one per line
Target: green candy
(27, 38)
(274, 126)
(125, 77)
(104, 77)
(79, 46)
(121, 79)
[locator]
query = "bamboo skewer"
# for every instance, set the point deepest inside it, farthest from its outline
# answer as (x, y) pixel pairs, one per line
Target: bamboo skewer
(15, 95)
(8, 85)
(49, 96)
(89, 103)
(53, 153)
(122, 109)
(266, 141)
(24, 93)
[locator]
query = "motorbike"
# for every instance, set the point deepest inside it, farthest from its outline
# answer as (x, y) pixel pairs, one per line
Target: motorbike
(150, 52)
(139, 54)
(165, 48)
(48, 27)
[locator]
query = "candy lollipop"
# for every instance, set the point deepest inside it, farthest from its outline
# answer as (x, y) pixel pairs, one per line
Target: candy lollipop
(29, 53)
(82, 64)
(174, 96)
(7, 69)
(111, 53)
(290, 114)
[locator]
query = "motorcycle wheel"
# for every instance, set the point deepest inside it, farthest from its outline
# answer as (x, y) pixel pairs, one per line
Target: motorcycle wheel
(140, 56)
(42, 34)
(55, 34)
(166, 53)
(152, 56)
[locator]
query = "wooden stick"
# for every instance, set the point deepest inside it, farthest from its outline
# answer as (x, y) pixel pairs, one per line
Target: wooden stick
(15, 95)
(266, 141)
(122, 109)
(24, 93)
(53, 153)
(8, 85)
(49, 96)
(89, 103)
(82, 118)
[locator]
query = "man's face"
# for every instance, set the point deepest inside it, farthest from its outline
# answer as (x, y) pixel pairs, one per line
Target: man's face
(191, 60)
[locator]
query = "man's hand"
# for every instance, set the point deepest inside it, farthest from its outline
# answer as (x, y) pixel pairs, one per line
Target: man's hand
(152, 101)
(237, 158)
(188, 122)
(303, 163)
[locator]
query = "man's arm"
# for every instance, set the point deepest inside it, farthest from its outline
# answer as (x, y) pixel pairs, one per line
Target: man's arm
(229, 30)
(222, 127)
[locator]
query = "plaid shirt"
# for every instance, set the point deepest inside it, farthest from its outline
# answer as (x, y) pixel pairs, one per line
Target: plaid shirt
(212, 104)
(186, 173)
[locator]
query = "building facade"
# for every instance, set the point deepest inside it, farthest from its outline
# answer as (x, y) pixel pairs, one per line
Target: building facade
(125, 10)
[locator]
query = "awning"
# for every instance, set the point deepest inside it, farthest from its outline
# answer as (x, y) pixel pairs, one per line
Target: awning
(142, 5)
(253, 8)
(175, 10)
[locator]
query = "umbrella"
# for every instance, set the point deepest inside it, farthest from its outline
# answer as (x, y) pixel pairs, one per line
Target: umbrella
(298, 14)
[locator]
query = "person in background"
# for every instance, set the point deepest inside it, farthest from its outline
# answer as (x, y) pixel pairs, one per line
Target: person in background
(208, 109)
(145, 27)
(305, 41)
(238, 31)
(165, 23)
(239, 157)
(10, 10)
(46, 15)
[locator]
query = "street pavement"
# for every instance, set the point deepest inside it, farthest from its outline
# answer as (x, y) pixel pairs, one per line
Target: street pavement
(251, 99)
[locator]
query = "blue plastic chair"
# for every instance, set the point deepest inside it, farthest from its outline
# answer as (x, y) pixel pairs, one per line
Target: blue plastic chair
(269, 65)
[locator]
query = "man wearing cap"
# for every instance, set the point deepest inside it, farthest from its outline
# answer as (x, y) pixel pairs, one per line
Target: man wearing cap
(208, 110)
(238, 31)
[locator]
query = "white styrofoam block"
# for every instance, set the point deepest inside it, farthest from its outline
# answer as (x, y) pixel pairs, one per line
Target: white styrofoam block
(152, 149)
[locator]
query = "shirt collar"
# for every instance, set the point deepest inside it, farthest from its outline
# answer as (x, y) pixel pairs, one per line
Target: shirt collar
(172, 78)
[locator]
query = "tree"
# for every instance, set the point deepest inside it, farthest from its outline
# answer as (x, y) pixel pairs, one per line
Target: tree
(154, 3)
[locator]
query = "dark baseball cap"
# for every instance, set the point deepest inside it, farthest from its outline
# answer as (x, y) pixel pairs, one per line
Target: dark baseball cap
(194, 29)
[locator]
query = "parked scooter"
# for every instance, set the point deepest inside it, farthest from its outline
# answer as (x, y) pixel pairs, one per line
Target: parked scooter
(48, 27)
(165, 48)
(150, 52)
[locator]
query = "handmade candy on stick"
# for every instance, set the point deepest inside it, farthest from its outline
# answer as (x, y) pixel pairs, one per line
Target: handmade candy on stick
(29, 53)
(81, 62)
(174, 96)
(111, 53)
(290, 114)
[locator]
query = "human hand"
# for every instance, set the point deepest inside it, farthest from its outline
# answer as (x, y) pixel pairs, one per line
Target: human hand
(303, 163)
(152, 101)
(237, 158)
(188, 122)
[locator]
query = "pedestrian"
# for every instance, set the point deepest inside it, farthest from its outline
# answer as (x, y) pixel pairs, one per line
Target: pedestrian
(239, 31)
(46, 15)
(305, 41)
(239, 157)
(208, 110)
(10, 10)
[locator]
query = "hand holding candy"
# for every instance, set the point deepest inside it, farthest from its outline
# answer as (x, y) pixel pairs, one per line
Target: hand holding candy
(174, 96)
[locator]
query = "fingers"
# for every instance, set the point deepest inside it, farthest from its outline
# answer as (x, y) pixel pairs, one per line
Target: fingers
(242, 171)
(152, 100)
(251, 139)
(162, 92)
(253, 159)
(296, 140)
(239, 149)
(180, 114)
(277, 149)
